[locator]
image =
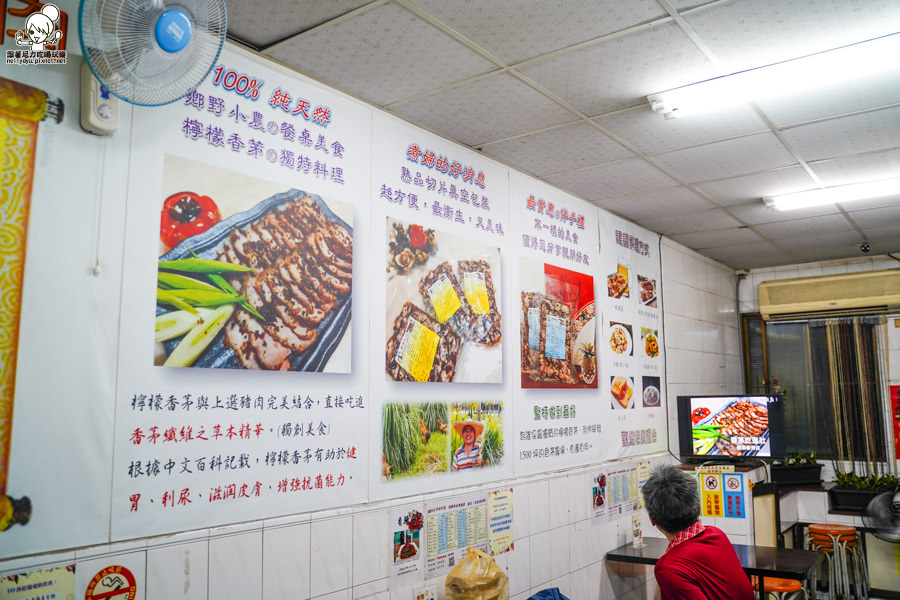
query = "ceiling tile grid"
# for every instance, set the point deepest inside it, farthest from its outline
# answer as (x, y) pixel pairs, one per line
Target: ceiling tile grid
(741, 156)
(801, 228)
(254, 23)
(479, 112)
(671, 202)
(650, 133)
(752, 33)
(712, 219)
(621, 71)
(373, 55)
(871, 166)
(718, 238)
(860, 133)
(539, 85)
(635, 176)
(515, 31)
(751, 188)
(562, 149)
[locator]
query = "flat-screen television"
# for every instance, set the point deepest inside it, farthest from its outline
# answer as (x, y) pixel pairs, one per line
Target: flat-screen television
(731, 428)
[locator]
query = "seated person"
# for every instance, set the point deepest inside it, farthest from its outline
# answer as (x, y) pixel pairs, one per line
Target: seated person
(699, 562)
(469, 454)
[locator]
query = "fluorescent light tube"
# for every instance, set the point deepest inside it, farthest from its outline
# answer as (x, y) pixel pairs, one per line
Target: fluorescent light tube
(791, 76)
(835, 195)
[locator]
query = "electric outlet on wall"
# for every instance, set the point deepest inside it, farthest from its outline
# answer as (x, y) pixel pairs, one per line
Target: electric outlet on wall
(425, 593)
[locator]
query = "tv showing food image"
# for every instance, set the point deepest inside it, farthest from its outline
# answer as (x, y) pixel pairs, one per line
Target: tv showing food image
(731, 427)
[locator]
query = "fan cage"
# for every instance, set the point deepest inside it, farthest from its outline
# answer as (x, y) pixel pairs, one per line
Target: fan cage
(118, 42)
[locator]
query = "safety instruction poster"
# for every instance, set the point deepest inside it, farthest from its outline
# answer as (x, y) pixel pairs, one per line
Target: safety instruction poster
(451, 526)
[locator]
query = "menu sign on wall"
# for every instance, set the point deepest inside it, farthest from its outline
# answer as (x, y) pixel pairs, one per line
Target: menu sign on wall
(558, 419)
(630, 335)
(439, 236)
(241, 266)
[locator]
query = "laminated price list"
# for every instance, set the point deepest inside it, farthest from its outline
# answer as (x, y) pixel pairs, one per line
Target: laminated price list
(450, 528)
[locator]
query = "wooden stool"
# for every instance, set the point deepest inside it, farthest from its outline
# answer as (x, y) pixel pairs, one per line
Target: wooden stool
(846, 565)
(778, 587)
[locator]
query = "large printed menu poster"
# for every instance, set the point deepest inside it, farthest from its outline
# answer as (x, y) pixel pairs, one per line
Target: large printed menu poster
(244, 212)
(630, 336)
(440, 235)
(559, 419)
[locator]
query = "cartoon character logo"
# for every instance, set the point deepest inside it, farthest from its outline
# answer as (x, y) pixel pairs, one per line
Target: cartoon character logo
(40, 29)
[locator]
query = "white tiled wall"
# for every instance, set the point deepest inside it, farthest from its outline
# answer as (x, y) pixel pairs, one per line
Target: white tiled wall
(701, 329)
(344, 554)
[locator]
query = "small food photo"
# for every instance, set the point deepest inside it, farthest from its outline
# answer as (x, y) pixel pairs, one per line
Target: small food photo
(647, 291)
(617, 283)
(557, 324)
(621, 388)
(620, 338)
(649, 343)
(650, 396)
(443, 299)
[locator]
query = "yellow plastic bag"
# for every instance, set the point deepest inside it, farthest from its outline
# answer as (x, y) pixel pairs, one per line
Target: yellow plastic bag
(477, 577)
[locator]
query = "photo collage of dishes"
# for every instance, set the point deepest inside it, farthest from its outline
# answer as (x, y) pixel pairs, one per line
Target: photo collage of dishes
(631, 337)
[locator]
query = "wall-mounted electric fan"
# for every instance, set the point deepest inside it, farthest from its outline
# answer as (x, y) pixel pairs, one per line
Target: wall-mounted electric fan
(151, 52)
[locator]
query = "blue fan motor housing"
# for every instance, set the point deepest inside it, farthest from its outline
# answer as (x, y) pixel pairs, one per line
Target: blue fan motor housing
(173, 30)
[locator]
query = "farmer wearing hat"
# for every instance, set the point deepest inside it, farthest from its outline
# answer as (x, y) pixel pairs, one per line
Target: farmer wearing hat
(469, 454)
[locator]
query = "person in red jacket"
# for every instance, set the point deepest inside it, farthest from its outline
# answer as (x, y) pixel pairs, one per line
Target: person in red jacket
(699, 562)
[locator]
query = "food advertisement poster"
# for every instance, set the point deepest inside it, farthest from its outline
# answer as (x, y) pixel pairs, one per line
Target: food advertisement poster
(451, 526)
(501, 521)
(439, 328)
(239, 261)
(560, 418)
(895, 412)
(599, 500)
(630, 336)
(407, 534)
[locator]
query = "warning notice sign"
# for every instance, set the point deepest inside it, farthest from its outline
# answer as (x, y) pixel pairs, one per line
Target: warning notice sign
(113, 583)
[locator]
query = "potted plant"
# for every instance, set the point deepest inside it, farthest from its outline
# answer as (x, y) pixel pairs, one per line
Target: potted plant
(852, 492)
(797, 468)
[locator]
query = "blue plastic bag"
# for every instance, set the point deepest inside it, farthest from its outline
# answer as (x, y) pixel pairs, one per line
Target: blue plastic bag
(549, 594)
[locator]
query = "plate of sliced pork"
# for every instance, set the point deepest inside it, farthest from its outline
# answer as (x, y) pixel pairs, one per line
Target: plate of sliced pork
(294, 284)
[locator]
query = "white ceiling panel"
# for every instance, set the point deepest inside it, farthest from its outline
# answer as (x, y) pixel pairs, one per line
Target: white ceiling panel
(877, 217)
(756, 212)
(756, 256)
(519, 81)
(365, 57)
(514, 31)
(562, 149)
(622, 71)
(871, 166)
(704, 220)
(479, 112)
(634, 176)
(720, 237)
(740, 156)
(649, 132)
(803, 228)
(753, 33)
(665, 203)
(738, 190)
(843, 136)
(832, 100)
(256, 26)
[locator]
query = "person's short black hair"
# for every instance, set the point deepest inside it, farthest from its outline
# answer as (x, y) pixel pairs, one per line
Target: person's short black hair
(672, 498)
